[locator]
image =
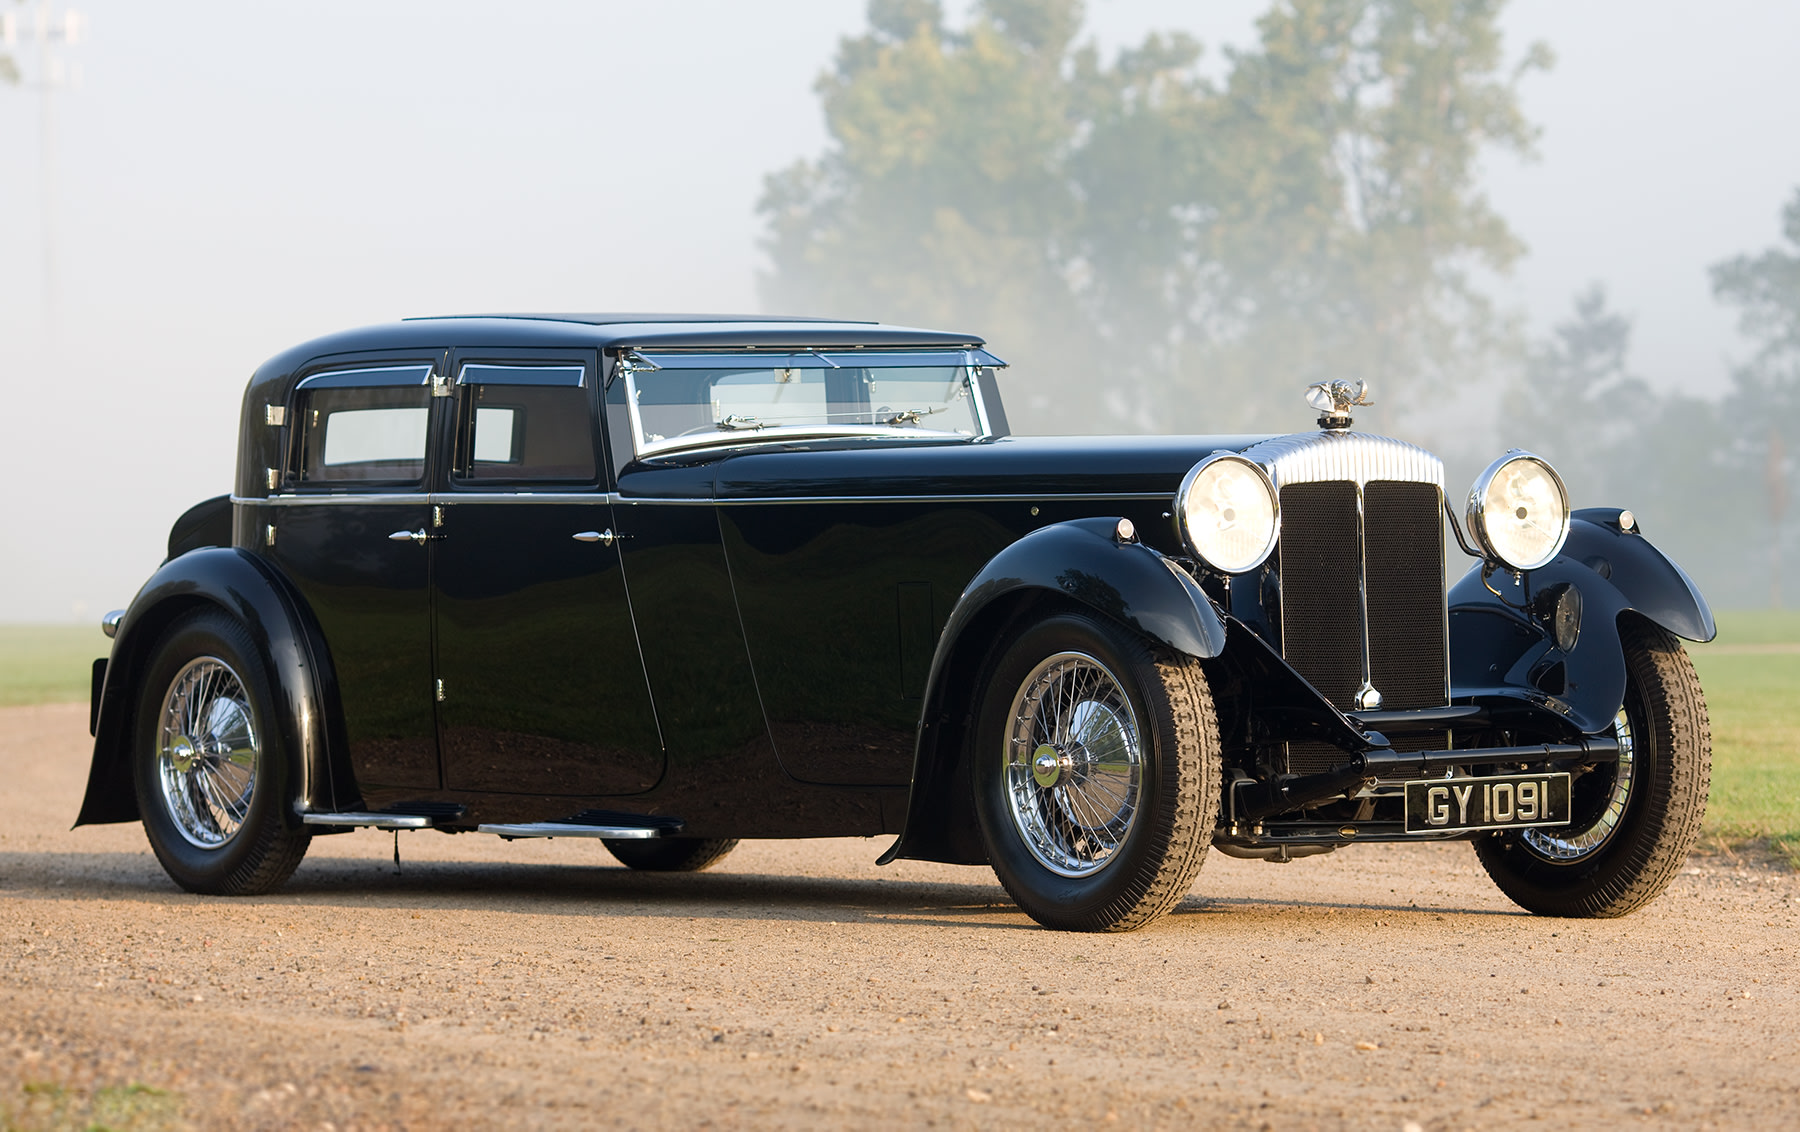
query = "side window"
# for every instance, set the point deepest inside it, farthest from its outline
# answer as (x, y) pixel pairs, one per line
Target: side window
(526, 423)
(365, 426)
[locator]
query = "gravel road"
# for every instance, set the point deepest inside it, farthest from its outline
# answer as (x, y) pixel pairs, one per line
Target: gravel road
(796, 984)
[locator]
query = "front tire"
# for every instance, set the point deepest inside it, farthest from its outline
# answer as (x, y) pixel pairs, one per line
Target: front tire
(1634, 822)
(669, 854)
(1096, 767)
(209, 765)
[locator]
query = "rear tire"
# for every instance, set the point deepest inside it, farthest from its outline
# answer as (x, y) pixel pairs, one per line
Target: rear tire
(210, 768)
(1634, 822)
(669, 854)
(1096, 772)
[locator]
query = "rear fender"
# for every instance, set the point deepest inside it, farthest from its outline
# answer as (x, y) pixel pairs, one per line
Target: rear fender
(1501, 644)
(1081, 562)
(250, 591)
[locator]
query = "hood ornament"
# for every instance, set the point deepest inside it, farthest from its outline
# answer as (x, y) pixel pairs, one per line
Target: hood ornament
(1335, 399)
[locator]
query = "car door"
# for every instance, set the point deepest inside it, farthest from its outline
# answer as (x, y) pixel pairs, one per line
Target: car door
(542, 686)
(352, 533)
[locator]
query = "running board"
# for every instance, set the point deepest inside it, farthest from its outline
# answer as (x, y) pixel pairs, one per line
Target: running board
(571, 829)
(371, 821)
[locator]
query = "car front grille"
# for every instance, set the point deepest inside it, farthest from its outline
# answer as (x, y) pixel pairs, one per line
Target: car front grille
(1362, 528)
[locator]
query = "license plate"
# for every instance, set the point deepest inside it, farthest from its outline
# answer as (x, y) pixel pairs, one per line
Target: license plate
(1505, 801)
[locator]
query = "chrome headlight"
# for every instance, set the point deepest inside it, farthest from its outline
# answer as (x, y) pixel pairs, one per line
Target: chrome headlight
(1227, 513)
(1519, 511)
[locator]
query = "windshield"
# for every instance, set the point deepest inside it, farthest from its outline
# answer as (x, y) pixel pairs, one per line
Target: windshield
(709, 399)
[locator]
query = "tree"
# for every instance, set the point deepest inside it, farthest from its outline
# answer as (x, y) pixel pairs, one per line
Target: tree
(1204, 249)
(1765, 392)
(1577, 405)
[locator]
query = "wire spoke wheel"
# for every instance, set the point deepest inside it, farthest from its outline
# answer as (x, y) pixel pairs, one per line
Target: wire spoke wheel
(1632, 822)
(1074, 764)
(207, 752)
(1095, 765)
(1598, 807)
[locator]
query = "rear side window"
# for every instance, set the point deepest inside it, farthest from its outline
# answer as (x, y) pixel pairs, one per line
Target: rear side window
(365, 433)
(526, 423)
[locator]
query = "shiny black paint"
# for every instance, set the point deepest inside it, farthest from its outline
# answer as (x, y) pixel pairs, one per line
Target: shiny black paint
(1500, 644)
(305, 685)
(207, 523)
(1080, 562)
(371, 597)
(544, 692)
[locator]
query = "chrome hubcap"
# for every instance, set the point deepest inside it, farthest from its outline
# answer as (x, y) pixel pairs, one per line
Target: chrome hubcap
(207, 752)
(1074, 764)
(1571, 844)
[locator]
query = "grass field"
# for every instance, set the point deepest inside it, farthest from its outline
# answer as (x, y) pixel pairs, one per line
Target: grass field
(1751, 675)
(48, 664)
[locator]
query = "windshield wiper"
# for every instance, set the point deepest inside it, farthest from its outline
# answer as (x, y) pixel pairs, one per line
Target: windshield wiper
(911, 416)
(734, 423)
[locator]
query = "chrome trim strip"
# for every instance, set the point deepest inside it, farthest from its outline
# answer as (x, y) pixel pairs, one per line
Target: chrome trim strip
(1362, 596)
(615, 498)
(371, 499)
(337, 378)
(546, 369)
(570, 829)
(1325, 457)
(373, 821)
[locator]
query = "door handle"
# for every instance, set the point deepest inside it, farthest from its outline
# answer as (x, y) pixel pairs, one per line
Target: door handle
(604, 538)
(409, 536)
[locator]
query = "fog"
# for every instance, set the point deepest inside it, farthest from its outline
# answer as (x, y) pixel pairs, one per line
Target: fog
(213, 182)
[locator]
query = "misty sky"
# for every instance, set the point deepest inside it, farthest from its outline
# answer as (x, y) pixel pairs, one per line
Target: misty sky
(228, 179)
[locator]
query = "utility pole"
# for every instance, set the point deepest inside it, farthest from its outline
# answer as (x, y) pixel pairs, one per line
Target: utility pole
(52, 32)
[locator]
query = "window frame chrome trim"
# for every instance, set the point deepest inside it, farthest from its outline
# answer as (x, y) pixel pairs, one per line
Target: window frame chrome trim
(580, 368)
(323, 376)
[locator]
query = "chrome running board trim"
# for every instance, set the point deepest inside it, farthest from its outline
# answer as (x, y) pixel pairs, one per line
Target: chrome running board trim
(372, 821)
(570, 829)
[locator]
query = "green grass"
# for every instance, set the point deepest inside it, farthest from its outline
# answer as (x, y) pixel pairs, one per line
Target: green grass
(1758, 627)
(51, 1105)
(48, 664)
(1754, 700)
(1753, 697)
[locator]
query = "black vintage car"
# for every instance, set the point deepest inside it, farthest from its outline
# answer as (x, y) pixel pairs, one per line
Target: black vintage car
(671, 581)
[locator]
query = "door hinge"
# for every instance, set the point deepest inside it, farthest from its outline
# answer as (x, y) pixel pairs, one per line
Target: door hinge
(440, 385)
(437, 515)
(269, 535)
(440, 691)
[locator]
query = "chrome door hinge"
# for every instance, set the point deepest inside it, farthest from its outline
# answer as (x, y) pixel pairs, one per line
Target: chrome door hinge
(437, 515)
(275, 415)
(440, 385)
(269, 535)
(440, 691)
(273, 476)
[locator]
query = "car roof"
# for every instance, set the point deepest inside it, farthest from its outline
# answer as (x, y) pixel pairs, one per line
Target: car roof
(591, 331)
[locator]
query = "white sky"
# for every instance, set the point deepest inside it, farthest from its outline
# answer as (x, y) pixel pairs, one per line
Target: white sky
(229, 179)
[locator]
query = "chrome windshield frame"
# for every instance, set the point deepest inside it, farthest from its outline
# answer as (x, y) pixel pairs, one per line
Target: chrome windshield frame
(631, 362)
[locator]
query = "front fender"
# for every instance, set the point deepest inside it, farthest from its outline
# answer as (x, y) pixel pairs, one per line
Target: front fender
(1081, 561)
(1501, 651)
(251, 591)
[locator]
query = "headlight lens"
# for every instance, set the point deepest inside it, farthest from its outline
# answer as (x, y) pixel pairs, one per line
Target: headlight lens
(1228, 514)
(1519, 511)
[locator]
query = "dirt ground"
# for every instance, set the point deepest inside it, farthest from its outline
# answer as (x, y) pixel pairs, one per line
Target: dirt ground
(536, 984)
